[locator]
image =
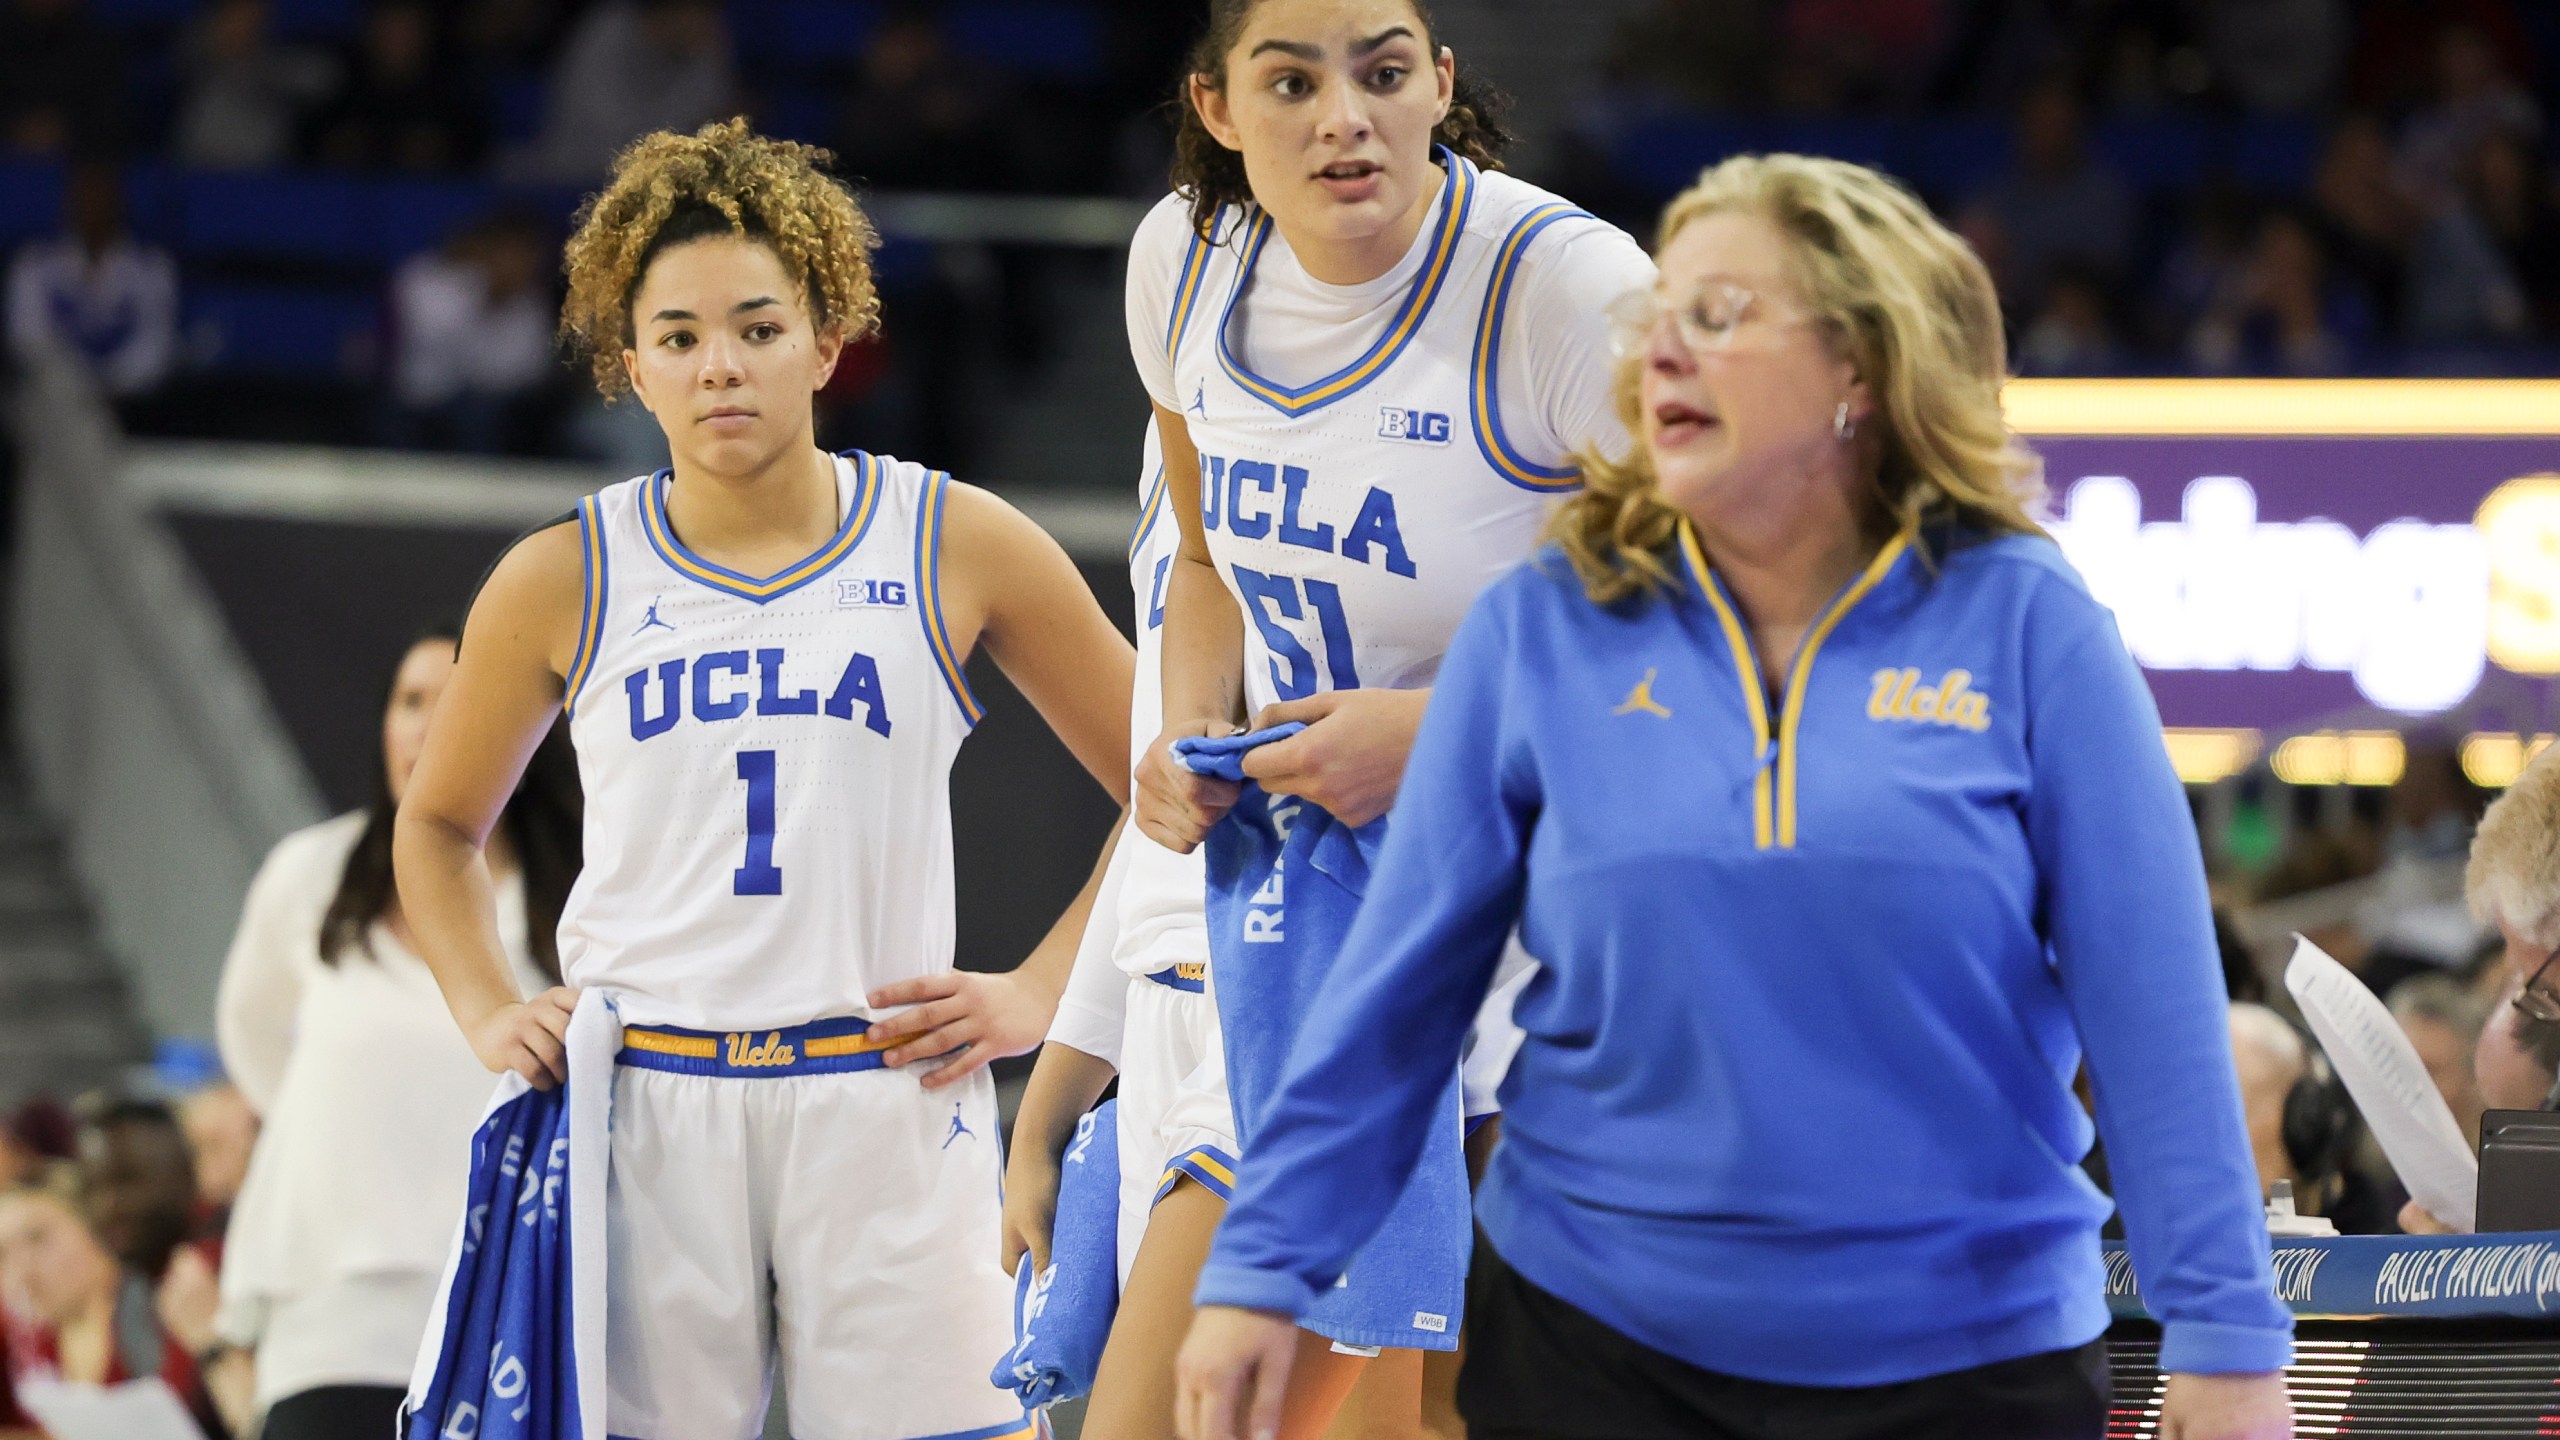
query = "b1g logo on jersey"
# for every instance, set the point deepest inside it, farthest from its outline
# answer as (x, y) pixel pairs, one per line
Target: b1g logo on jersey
(871, 594)
(1423, 427)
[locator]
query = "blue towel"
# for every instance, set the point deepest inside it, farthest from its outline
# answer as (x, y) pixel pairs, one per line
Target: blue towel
(523, 1291)
(1285, 879)
(508, 1332)
(1062, 1315)
(1221, 757)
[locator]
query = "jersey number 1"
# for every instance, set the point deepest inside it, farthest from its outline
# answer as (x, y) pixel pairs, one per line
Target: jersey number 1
(759, 876)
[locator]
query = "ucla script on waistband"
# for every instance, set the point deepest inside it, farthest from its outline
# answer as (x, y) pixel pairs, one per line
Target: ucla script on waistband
(2363, 1277)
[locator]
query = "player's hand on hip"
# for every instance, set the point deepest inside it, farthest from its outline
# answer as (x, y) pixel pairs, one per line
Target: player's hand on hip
(1175, 807)
(1031, 1181)
(2226, 1407)
(1233, 1374)
(964, 1018)
(1349, 759)
(529, 1037)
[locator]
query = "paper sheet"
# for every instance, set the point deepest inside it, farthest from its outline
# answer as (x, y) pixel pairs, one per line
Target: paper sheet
(135, 1410)
(2390, 1085)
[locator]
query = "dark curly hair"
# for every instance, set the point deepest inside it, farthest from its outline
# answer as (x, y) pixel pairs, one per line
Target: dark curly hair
(1213, 175)
(723, 179)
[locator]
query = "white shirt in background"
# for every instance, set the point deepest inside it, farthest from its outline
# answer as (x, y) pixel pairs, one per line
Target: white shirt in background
(370, 1095)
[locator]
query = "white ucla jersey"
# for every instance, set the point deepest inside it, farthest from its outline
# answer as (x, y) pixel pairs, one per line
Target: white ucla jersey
(1355, 517)
(1161, 893)
(767, 761)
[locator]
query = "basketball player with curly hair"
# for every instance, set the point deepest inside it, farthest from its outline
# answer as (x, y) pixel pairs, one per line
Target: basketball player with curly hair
(760, 650)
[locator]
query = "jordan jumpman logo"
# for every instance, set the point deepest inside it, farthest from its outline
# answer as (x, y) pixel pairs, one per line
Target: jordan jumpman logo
(958, 1128)
(1640, 700)
(652, 622)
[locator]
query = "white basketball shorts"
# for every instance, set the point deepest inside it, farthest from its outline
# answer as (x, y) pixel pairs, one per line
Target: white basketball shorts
(1175, 1118)
(842, 1223)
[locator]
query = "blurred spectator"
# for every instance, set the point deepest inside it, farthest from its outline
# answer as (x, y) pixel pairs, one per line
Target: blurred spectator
(2362, 215)
(2468, 284)
(401, 109)
(139, 1180)
(2057, 203)
(472, 358)
(2274, 1061)
(2206, 262)
(511, 34)
(633, 66)
(246, 95)
(221, 1131)
(2396, 62)
(2241, 978)
(1709, 56)
(2285, 315)
(97, 292)
(1854, 54)
(917, 116)
(38, 1133)
(2476, 97)
(2073, 333)
(2443, 1019)
(2514, 1068)
(2518, 1062)
(2415, 920)
(61, 80)
(2277, 55)
(337, 1033)
(92, 1320)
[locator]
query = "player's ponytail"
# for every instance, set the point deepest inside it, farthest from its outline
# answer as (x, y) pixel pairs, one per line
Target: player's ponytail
(1211, 176)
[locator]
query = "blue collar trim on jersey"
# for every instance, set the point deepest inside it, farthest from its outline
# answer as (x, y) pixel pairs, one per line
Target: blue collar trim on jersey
(1457, 196)
(857, 522)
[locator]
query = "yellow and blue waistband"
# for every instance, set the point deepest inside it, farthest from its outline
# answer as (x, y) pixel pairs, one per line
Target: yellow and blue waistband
(1191, 979)
(821, 1047)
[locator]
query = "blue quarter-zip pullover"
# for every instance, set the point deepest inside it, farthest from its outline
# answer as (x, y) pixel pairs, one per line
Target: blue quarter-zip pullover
(1795, 1102)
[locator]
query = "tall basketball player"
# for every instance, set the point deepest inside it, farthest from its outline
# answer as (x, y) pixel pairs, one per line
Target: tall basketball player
(760, 652)
(1372, 358)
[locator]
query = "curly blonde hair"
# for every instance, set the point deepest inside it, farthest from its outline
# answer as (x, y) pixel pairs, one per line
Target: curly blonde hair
(722, 177)
(1909, 305)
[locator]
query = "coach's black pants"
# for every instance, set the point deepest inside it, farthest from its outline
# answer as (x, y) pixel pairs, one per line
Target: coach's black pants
(1540, 1369)
(336, 1412)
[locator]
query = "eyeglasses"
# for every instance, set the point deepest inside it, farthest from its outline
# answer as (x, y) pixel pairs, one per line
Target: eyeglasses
(1706, 320)
(2536, 1003)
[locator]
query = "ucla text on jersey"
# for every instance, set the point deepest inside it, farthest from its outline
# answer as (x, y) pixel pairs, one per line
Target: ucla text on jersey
(1354, 532)
(767, 761)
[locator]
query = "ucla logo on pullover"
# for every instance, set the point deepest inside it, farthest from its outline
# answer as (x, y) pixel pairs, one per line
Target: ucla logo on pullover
(1953, 701)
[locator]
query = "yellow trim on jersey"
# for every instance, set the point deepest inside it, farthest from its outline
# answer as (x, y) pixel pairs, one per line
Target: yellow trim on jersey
(591, 566)
(692, 1047)
(1195, 264)
(1148, 509)
(867, 488)
(1459, 195)
(1747, 670)
(1794, 711)
(1488, 391)
(929, 605)
(1205, 1161)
